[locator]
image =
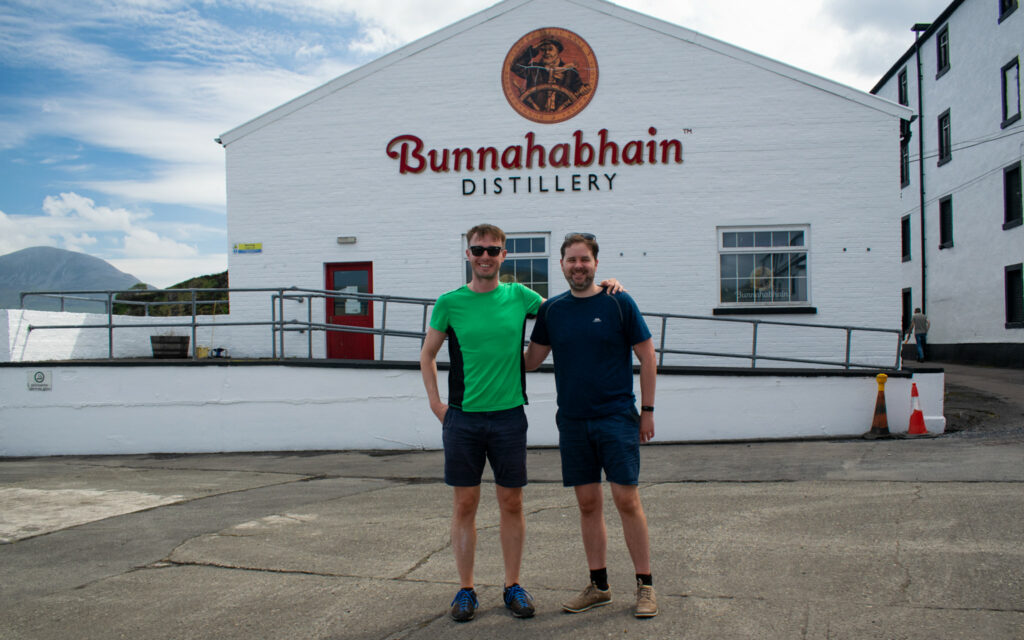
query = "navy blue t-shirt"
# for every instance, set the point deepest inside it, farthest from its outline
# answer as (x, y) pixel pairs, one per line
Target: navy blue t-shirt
(591, 340)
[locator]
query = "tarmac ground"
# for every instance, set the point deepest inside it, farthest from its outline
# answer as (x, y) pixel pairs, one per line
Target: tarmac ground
(825, 539)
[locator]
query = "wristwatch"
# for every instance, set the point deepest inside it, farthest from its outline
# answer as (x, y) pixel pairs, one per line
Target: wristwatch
(647, 407)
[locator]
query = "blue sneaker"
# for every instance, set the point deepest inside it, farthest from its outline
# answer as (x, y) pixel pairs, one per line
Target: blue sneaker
(464, 605)
(519, 601)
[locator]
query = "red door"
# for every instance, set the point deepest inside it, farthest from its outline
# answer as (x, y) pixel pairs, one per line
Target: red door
(356, 277)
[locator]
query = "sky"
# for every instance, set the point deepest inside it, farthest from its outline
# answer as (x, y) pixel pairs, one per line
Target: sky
(109, 108)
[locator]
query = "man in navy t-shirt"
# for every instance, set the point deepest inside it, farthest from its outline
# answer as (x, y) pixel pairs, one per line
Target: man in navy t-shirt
(593, 335)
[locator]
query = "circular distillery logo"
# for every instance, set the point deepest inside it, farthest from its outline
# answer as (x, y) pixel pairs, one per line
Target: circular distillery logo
(549, 75)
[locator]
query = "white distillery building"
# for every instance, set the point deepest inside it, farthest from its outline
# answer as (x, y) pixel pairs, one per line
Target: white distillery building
(960, 175)
(719, 183)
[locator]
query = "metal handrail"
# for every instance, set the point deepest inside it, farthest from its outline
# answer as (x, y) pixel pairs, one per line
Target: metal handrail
(281, 326)
(753, 356)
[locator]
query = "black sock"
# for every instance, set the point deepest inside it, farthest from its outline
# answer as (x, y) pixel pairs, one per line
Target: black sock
(600, 578)
(645, 579)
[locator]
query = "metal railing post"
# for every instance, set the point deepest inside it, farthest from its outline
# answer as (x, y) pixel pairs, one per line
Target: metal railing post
(383, 325)
(110, 323)
(273, 327)
(753, 347)
(193, 292)
(664, 328)
(849, 339)
(309, 323)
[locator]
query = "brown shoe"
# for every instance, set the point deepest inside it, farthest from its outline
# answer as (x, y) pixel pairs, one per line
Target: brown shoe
(588, 599)
(646, 601)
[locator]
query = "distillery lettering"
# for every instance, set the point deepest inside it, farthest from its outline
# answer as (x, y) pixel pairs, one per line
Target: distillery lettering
(537, 184)
(413, 157)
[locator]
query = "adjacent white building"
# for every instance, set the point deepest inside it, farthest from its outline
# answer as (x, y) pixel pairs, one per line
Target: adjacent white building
(719, 182)
(960, 175)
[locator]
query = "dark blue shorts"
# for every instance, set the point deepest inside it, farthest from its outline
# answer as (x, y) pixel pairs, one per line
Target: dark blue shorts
(471, 437)
(609, 442)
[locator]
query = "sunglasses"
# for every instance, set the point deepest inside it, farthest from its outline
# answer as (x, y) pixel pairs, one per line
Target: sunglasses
(585, 236)
(478, 251)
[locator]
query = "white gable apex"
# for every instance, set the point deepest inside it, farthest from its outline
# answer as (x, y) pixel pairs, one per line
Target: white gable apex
(612, 11)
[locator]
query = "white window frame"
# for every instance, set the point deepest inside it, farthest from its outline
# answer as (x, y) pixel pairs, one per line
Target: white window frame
(769, 286)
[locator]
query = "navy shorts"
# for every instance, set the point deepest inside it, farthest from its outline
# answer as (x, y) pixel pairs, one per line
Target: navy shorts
(471, 437)
(609, 442)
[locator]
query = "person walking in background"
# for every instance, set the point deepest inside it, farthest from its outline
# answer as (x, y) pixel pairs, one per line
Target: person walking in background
(593, 334)
(919, 325)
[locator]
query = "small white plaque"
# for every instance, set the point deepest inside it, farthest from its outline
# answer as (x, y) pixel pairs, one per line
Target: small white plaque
(40, 380)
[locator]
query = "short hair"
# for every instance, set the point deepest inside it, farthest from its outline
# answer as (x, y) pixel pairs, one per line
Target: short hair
(586, 239)
(917, 310)
(486, 230)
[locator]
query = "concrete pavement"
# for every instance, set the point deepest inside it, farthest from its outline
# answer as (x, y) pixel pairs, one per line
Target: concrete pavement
(822, 539)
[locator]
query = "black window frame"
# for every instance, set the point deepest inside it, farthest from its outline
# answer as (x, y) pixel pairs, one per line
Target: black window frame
(945, 137)
(942, 52)
(1006, 7)
(1010, 118)
(902, 91)
(1013, 207)
(907, 309)
(906, 240)
(1013, 286)
(946, 222)
(905, 136)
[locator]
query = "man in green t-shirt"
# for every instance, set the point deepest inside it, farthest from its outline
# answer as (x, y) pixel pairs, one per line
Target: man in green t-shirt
(484, 323)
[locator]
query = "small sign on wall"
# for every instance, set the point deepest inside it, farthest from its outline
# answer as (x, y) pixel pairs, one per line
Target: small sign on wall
(40, 380)
(248, 247)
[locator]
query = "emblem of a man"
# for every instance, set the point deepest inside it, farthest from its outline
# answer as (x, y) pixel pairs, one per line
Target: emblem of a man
(551, 84)
(549, 75)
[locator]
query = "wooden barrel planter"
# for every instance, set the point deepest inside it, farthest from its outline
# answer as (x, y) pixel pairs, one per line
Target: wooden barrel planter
(169, 346)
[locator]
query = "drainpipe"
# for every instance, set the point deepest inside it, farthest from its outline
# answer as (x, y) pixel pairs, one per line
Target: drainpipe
(917, 29)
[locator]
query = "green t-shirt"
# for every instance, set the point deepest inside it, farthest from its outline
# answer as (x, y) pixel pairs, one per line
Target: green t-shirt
(485, 345)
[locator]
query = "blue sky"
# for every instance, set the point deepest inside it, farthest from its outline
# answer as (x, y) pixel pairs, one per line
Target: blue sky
(109, 108)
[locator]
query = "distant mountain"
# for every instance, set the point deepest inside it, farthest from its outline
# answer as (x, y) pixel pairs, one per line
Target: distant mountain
(52, 269)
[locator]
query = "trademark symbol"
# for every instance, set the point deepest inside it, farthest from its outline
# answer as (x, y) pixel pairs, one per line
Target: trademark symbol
(687, 131)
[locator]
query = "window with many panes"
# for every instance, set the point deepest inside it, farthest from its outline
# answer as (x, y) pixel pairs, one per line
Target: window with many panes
(945, 138)
(905, 237)
(1014, 280)
(1011, 92)
(942, 52)
(1012, 216)
(904, 94)
(1006, 7)
(763, 266)
(526, 261)
(946, 222)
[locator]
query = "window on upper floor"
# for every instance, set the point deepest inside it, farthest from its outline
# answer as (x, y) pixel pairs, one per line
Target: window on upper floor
(942, 52)
(1006, 7)
(763, 266)
(946, 222)
(526, 261)
(1011, 92)
(1012, 207)
(1014, 283)
(904, 97)
(905, 135)
(905, 237)
(945, 138)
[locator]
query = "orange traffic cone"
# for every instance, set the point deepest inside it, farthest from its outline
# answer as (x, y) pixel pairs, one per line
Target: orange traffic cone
(880, 423)
(917, 427)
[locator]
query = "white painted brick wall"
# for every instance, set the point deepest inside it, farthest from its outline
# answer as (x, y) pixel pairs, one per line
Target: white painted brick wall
(765, 150)
(965, 282)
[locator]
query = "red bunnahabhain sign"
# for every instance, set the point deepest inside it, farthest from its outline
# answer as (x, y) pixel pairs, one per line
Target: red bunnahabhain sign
(414, 157)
